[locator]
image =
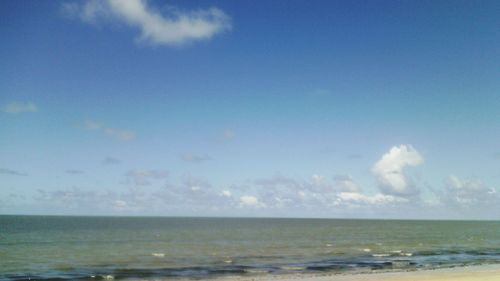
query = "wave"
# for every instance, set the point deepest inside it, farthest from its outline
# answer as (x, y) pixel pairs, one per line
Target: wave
(392, 260)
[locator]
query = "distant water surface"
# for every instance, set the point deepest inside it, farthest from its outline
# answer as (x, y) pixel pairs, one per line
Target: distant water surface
(93, 248)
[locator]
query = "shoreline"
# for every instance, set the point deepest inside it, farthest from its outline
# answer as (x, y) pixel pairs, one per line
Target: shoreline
(488, 272)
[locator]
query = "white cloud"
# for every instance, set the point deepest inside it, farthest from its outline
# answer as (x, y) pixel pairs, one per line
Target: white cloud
(228, 134)
(74, 172)
(318, 179)
(89, 11)
(172, 27)
(119, 204)
(226, 193)
(192, 158)
(278, 181)
(19, 107)
(468, 192)
(250, 201)
(145, 177)
(345, 183)
(355, 198)
(12, 172)
(111, 161)
(92, 125)
(118, 134)
(389, 170)
(71, 197)
(96, 201)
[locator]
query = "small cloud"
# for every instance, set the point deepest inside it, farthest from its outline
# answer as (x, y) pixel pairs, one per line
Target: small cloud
(12, 172)
(70, 197)
(195, 183)
(123, 135)
(74, 172)
(226, 193)
(359, 199)
(91, 125)
(279, 180)
(84, 199)
(318, 179)
(345, 183)
(19, 107)
(355, 156)
(228, 135)
(144, 177)
(119, 204)
(111, 161)
(389, 170)
(250, 201)
(119, 134)
(319, 93)
(173, 27)
(188, 157)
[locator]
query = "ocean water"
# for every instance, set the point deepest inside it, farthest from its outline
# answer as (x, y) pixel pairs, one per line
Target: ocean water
(94, 248)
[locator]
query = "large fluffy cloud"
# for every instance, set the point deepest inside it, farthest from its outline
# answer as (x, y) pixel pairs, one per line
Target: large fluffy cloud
(390, 174)
(172, 27)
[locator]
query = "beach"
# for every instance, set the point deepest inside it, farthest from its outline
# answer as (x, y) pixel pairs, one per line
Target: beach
(469, 273)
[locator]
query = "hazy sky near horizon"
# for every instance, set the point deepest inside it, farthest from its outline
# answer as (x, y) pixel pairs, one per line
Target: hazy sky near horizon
(384, 109)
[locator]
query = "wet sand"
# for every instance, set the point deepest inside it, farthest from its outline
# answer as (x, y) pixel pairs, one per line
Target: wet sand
(470, 273)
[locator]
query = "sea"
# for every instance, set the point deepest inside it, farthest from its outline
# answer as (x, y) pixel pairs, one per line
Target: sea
(151, 248)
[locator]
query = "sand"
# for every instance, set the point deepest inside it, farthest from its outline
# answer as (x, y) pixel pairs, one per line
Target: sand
(472, 273)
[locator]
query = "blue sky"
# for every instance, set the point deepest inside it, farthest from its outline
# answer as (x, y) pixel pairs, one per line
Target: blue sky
(238, 108)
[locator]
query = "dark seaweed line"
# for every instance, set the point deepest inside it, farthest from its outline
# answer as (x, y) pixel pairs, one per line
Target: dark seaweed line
(428, 260)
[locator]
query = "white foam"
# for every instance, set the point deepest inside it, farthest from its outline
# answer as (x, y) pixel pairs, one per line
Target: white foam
(329, 245)
(380, 255)
(158, 255)
(367, 250)
(293, 267)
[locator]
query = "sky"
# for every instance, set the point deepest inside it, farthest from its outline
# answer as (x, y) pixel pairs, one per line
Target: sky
(335, 109)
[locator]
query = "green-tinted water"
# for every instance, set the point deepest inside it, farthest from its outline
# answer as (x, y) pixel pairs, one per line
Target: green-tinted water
(70, 247)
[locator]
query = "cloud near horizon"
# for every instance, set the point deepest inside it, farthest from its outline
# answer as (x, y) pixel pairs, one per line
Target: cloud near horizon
(171, 26)
(282, 195)
(467, 192)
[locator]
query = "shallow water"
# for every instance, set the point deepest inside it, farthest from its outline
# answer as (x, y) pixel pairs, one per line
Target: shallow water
(63, 248)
